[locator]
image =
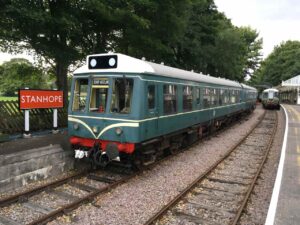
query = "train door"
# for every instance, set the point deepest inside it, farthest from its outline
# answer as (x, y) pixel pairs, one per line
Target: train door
(152, 108)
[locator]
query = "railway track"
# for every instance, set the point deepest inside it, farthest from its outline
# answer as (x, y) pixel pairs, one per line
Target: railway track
(220, 195)
(84, 186)
(66, 194)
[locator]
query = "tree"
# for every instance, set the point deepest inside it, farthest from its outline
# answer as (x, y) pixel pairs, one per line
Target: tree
(212, 45)
(283, 63)
(63, 31)
(20, 73)
(189, 34)
(162, 27)
(253, 56)
(193, 50)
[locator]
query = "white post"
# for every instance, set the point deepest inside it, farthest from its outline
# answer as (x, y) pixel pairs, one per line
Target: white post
(55, 130)
(27, 127)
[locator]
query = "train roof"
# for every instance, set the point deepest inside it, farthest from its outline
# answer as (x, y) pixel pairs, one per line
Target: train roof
(127, 64)
(245, 86)
(270, 89)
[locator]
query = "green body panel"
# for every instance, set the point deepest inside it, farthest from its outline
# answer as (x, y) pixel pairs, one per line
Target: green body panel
(151, 123)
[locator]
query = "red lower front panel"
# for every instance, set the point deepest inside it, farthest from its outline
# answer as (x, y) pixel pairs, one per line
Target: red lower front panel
(87, 142)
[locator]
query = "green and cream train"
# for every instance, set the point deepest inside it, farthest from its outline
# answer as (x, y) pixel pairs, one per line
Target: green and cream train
(130, 110)
(270, 99)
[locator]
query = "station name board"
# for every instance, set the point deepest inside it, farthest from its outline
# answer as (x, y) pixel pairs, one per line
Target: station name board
(40, 99)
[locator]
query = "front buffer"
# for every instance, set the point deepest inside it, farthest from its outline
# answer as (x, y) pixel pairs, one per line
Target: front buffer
(100, 152)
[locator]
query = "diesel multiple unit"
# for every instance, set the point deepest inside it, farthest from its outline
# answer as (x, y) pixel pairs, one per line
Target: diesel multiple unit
(130, 110)
(270, 99)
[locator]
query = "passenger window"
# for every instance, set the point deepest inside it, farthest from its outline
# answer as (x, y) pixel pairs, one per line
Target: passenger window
(213, 97)
(170, 99)
(198, 96)
(80, 94)
(206, 98)
(233, 96)
(221, 96)
(99, 95)
(187, 98)
(225, 97)
(151, 97)
(122, 95)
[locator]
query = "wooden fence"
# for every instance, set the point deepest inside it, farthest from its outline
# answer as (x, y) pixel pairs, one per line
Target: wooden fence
(12, 119)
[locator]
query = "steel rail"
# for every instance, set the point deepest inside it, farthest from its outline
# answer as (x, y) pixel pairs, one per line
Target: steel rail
(75, 204)
(28, 193)
(90, 197)
(251, 187)
(165, 208)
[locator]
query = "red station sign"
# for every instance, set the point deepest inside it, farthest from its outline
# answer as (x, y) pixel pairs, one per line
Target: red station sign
(38, 99)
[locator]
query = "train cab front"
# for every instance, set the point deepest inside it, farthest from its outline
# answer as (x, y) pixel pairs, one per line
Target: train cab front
(101, 116)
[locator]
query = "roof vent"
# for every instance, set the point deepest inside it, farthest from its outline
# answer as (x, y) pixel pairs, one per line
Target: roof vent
(192, 71)
(162, 63)
(143, 58)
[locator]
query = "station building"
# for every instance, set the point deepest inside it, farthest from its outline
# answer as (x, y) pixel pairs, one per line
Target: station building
(289, 90)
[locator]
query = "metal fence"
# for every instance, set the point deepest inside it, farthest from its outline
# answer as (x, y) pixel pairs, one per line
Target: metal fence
(12, 119)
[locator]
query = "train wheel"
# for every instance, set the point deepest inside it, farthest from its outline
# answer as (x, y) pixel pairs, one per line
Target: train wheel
(143, 159)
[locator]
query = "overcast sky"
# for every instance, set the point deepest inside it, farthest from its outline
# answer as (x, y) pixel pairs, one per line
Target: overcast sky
(275, 20)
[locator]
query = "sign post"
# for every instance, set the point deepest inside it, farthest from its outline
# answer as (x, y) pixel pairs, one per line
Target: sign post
(40, 99)
(26, 121)
(55, 130)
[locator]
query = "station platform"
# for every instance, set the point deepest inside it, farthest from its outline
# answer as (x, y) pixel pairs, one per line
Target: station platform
(36, 141)
(25, 160)
(284, 208)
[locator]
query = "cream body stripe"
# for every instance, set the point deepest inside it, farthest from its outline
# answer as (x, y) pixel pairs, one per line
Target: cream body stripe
(104, 129)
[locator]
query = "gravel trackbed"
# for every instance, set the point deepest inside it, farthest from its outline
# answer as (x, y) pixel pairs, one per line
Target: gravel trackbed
(134, 202)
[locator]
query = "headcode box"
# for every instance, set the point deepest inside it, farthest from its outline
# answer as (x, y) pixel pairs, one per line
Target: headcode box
(40, 99)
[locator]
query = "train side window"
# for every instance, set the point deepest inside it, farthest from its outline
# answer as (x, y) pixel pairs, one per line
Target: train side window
(198, 96)
(80, 95)
(206, 98)
(122, 95)
(222, 97)
(226, 97)
(187, 98)
(233, 96)
(151, 96)
(170, 99)
(213, 97)
(237, 96)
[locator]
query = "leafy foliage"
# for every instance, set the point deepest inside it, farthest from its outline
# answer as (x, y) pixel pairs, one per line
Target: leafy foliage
(19, 73)
(189, 34)
(212, 45)
(282, 64)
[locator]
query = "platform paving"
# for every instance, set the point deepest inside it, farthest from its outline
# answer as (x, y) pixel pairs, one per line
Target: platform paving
(23, 144)
(288, 205)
